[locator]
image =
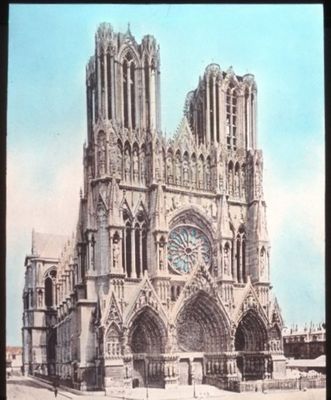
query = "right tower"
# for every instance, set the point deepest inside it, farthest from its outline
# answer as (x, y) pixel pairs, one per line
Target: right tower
(221, 113)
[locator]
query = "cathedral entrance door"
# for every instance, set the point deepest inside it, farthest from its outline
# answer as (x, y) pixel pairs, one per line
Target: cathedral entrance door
(184, 372)
(198, 371)
(138, 373)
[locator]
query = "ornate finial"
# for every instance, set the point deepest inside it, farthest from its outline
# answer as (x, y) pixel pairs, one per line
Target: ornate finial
(129, 31)
(33, 242)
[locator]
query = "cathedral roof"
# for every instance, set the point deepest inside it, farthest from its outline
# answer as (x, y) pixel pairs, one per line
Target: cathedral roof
(48, 245)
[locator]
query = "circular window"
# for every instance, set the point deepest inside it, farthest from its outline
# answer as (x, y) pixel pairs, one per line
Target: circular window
(187, 246)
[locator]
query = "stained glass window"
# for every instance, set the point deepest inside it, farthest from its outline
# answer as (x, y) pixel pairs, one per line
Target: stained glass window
(187, 246)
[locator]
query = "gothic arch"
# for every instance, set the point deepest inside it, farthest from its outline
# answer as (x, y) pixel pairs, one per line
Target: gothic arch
(251, 333)
(193, 216)
(112, 341)
(178, 167)
(193, 170)
(49, 284)
(147, 332)
(201, 171)
(128, 50)
(202, 325)
(170, 166)
(240, 251)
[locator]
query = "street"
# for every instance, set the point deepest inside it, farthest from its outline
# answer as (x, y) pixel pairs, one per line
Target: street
(26, 388)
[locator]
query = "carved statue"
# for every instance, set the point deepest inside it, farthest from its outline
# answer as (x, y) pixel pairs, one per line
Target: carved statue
(208, 180)
(236, 184)
(226, 260)
(185, 173)
(116, 254)
(40, 298)
(169, 170)
(243, 182)
(161, 263)
(142, 167)
(262, 261)
(200, 174)
(127, 164)
(135, 163)
(102, 156)
(193, 174)
(178, 171)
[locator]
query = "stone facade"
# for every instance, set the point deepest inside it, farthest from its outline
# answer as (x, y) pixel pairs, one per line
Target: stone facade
(167, 280)
(305, 343)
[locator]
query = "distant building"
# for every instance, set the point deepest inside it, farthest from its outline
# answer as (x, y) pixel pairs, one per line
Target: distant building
(14, 359)
(304, 343)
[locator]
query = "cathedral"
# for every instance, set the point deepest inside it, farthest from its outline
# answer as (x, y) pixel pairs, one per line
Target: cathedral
(166, 280)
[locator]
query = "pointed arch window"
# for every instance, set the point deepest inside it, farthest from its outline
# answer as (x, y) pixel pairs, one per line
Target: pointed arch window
(211, 107)
(231, 117)
(147, 94)
(241, 255)
(128, 91)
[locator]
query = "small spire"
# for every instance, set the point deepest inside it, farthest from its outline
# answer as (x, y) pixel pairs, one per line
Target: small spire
(33, 247)
(129, 31)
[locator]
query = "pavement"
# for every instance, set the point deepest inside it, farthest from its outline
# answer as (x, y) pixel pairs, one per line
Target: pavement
(27, 388)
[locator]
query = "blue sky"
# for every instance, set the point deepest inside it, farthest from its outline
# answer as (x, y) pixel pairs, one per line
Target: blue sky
(282, 45)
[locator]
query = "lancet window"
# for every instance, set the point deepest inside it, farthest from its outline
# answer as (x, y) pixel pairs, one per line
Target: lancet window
(147, 94)
(50, 298)
(134, 246)
(231, 117)
(128, 90)
(241, 255)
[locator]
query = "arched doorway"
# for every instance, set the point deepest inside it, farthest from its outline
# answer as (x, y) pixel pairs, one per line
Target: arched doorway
(251, 340)
(203, 332)
(147, 339)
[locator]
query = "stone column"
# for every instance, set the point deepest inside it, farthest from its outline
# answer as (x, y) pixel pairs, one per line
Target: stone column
(207, 112)
(254, 133)
(124, 252)
(214, 110)
(141, 252)
(105, 93)
(99, 83)
(233, 260)
(128, 94)
(152, 98)
(248, 119)
(113, 86)
(133, 254)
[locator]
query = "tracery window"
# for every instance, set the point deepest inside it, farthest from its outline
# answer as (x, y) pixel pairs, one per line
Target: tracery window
(187, 246)
(231, 117)
(50, 288)
(128, 89)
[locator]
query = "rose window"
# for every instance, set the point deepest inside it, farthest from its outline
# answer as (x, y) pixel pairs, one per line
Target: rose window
(187, 246)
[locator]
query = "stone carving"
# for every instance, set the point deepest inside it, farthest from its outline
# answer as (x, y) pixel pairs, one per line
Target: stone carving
(116, 254)
(127, 165)
(135, 164)
(188, 246)
(227, 266)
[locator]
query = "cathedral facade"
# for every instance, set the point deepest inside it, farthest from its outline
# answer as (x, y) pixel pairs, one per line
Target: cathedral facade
(167, 278)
